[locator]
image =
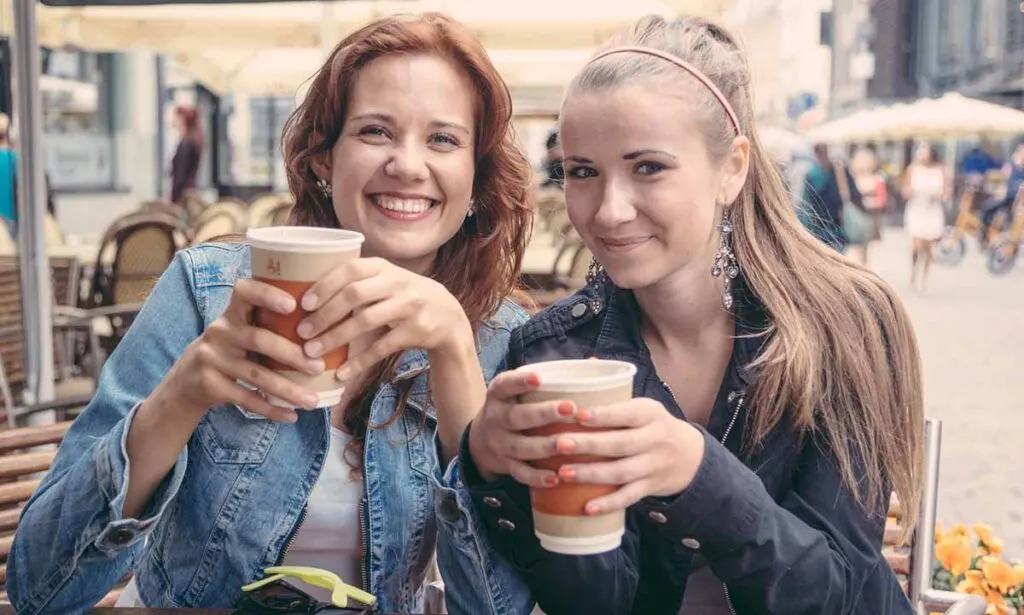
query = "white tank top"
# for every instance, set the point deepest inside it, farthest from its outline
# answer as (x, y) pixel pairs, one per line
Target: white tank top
(329, 537)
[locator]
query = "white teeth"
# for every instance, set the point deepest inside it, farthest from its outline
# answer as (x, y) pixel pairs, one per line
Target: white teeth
(406, 206)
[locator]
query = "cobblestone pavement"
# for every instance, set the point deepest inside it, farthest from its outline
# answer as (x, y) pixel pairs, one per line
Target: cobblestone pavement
(970, 328)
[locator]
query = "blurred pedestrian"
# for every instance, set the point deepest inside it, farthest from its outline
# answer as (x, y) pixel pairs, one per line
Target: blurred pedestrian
(871, 185)
(926, 188)
(822, 207)
(8, 177)
(185, 163)
(1014, 173)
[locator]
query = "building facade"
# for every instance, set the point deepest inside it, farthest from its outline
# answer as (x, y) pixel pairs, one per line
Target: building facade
(975, 47)
(874, 50)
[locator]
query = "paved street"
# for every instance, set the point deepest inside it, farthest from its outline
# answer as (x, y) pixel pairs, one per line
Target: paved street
(970, 327)
(971, 332)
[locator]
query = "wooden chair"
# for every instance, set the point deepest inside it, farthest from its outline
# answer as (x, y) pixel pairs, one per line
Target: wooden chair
(25, 452)
(263, 207)
(914, 563)
(568, 274)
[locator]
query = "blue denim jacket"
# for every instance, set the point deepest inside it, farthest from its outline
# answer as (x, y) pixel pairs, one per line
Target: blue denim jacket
(237, 491)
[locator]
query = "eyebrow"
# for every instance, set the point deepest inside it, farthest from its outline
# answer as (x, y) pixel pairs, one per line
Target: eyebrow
(630, 156)
(384, 117)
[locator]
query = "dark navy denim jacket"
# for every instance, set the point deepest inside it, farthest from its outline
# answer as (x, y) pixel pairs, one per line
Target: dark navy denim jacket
(776, 525)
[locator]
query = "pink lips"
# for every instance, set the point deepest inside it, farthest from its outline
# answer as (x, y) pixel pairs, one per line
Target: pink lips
(623, 244)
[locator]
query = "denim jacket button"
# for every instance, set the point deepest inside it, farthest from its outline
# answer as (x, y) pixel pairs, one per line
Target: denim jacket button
(448, 508)
(657, 517)
(492, 502)
(506, 525)
(691, 543)
(121, 537)
(579, 310)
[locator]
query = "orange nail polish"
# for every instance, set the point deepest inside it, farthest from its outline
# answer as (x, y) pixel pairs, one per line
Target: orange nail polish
(566, 408)
(584, 415)
(566, 473)
(565, 445)
(533, 380)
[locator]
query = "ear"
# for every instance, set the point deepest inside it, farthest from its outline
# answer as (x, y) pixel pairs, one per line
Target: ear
(321, 166)
(734, 170)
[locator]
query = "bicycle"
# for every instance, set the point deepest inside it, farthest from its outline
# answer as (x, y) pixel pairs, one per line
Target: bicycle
(951, 248)
(1004, 251)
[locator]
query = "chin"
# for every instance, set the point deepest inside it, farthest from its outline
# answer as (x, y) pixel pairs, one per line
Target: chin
(632, 278)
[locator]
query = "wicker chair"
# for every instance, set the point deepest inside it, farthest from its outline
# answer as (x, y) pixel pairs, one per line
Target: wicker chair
(261, 208)
(568, 274)
(222, 218)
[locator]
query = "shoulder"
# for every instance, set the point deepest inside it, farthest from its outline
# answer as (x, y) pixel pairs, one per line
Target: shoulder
(216, 264)
(568, 318)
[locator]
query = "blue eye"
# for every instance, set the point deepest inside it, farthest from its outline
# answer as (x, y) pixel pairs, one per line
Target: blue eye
(373, 131)
(649, 168)
(580, 172)
(445, 139)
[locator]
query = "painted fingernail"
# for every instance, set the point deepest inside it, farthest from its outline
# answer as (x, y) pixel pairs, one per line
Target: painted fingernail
(584, 415)
(566, 473)
(305, 330)
(533, 380)
(550, 481)
(314, 349)
(592, 509)
(309, 301)
(343, 374)
(566, 408)
(315, 366)
(565, 445)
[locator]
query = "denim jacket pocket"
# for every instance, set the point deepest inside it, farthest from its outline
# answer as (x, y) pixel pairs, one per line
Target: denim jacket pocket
(231, 435)
(420, 427)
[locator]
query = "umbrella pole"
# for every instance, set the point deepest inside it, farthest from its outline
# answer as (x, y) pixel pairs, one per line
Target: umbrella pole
(37, 298)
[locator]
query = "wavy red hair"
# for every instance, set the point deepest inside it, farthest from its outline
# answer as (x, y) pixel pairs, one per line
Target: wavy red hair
(480, 264)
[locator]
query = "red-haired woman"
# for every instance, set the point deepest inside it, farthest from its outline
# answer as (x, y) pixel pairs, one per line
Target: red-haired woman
(185, 163)
(196, 483)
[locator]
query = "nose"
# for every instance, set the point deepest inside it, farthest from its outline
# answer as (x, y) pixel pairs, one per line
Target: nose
(616, 206)
(409, 163)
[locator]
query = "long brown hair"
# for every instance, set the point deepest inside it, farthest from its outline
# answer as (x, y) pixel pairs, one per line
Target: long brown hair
(839, 354)
(480, 264)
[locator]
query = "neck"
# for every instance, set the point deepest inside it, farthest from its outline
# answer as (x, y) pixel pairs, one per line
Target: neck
(685, 307)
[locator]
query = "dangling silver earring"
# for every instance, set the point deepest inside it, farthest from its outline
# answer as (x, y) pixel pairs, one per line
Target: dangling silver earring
(472, 209)
(726, 266)
(324, 186)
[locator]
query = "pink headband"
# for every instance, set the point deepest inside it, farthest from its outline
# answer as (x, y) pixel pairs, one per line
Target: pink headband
(690, 68)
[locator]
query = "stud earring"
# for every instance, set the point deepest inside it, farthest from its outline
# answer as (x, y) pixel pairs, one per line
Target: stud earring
(324, 186)
(726, 266)
(472, 208)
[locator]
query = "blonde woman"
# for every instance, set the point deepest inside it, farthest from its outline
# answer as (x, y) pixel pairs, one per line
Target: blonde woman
(777, 402)
(871, 186)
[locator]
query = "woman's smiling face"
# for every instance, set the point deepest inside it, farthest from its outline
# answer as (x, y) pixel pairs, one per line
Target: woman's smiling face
(402, 170)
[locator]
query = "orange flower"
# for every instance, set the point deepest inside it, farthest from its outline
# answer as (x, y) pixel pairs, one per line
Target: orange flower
(984, 532)
(973, 583)
(996, 603)
(955, 553)
(960, 530)
(939, 534)
(1019, 569)
(998, 574)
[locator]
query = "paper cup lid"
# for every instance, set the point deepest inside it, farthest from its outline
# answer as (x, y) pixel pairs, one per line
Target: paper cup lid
(581, 375)
(304, 239)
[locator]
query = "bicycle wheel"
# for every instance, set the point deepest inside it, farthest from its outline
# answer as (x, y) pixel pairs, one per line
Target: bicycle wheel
(951, 248)
(1002, 256)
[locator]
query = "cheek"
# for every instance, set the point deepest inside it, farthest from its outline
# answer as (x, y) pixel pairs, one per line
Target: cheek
(455, 175)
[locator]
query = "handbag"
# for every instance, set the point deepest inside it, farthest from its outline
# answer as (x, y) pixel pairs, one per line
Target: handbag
(857, 223)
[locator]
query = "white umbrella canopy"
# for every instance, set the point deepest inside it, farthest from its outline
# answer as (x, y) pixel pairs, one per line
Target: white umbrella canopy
(272, 48)
(953, 116)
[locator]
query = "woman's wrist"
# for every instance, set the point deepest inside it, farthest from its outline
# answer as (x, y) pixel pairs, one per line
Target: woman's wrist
(458, 389)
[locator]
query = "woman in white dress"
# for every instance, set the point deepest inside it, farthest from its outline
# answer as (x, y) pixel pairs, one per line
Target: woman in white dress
(926, 189)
